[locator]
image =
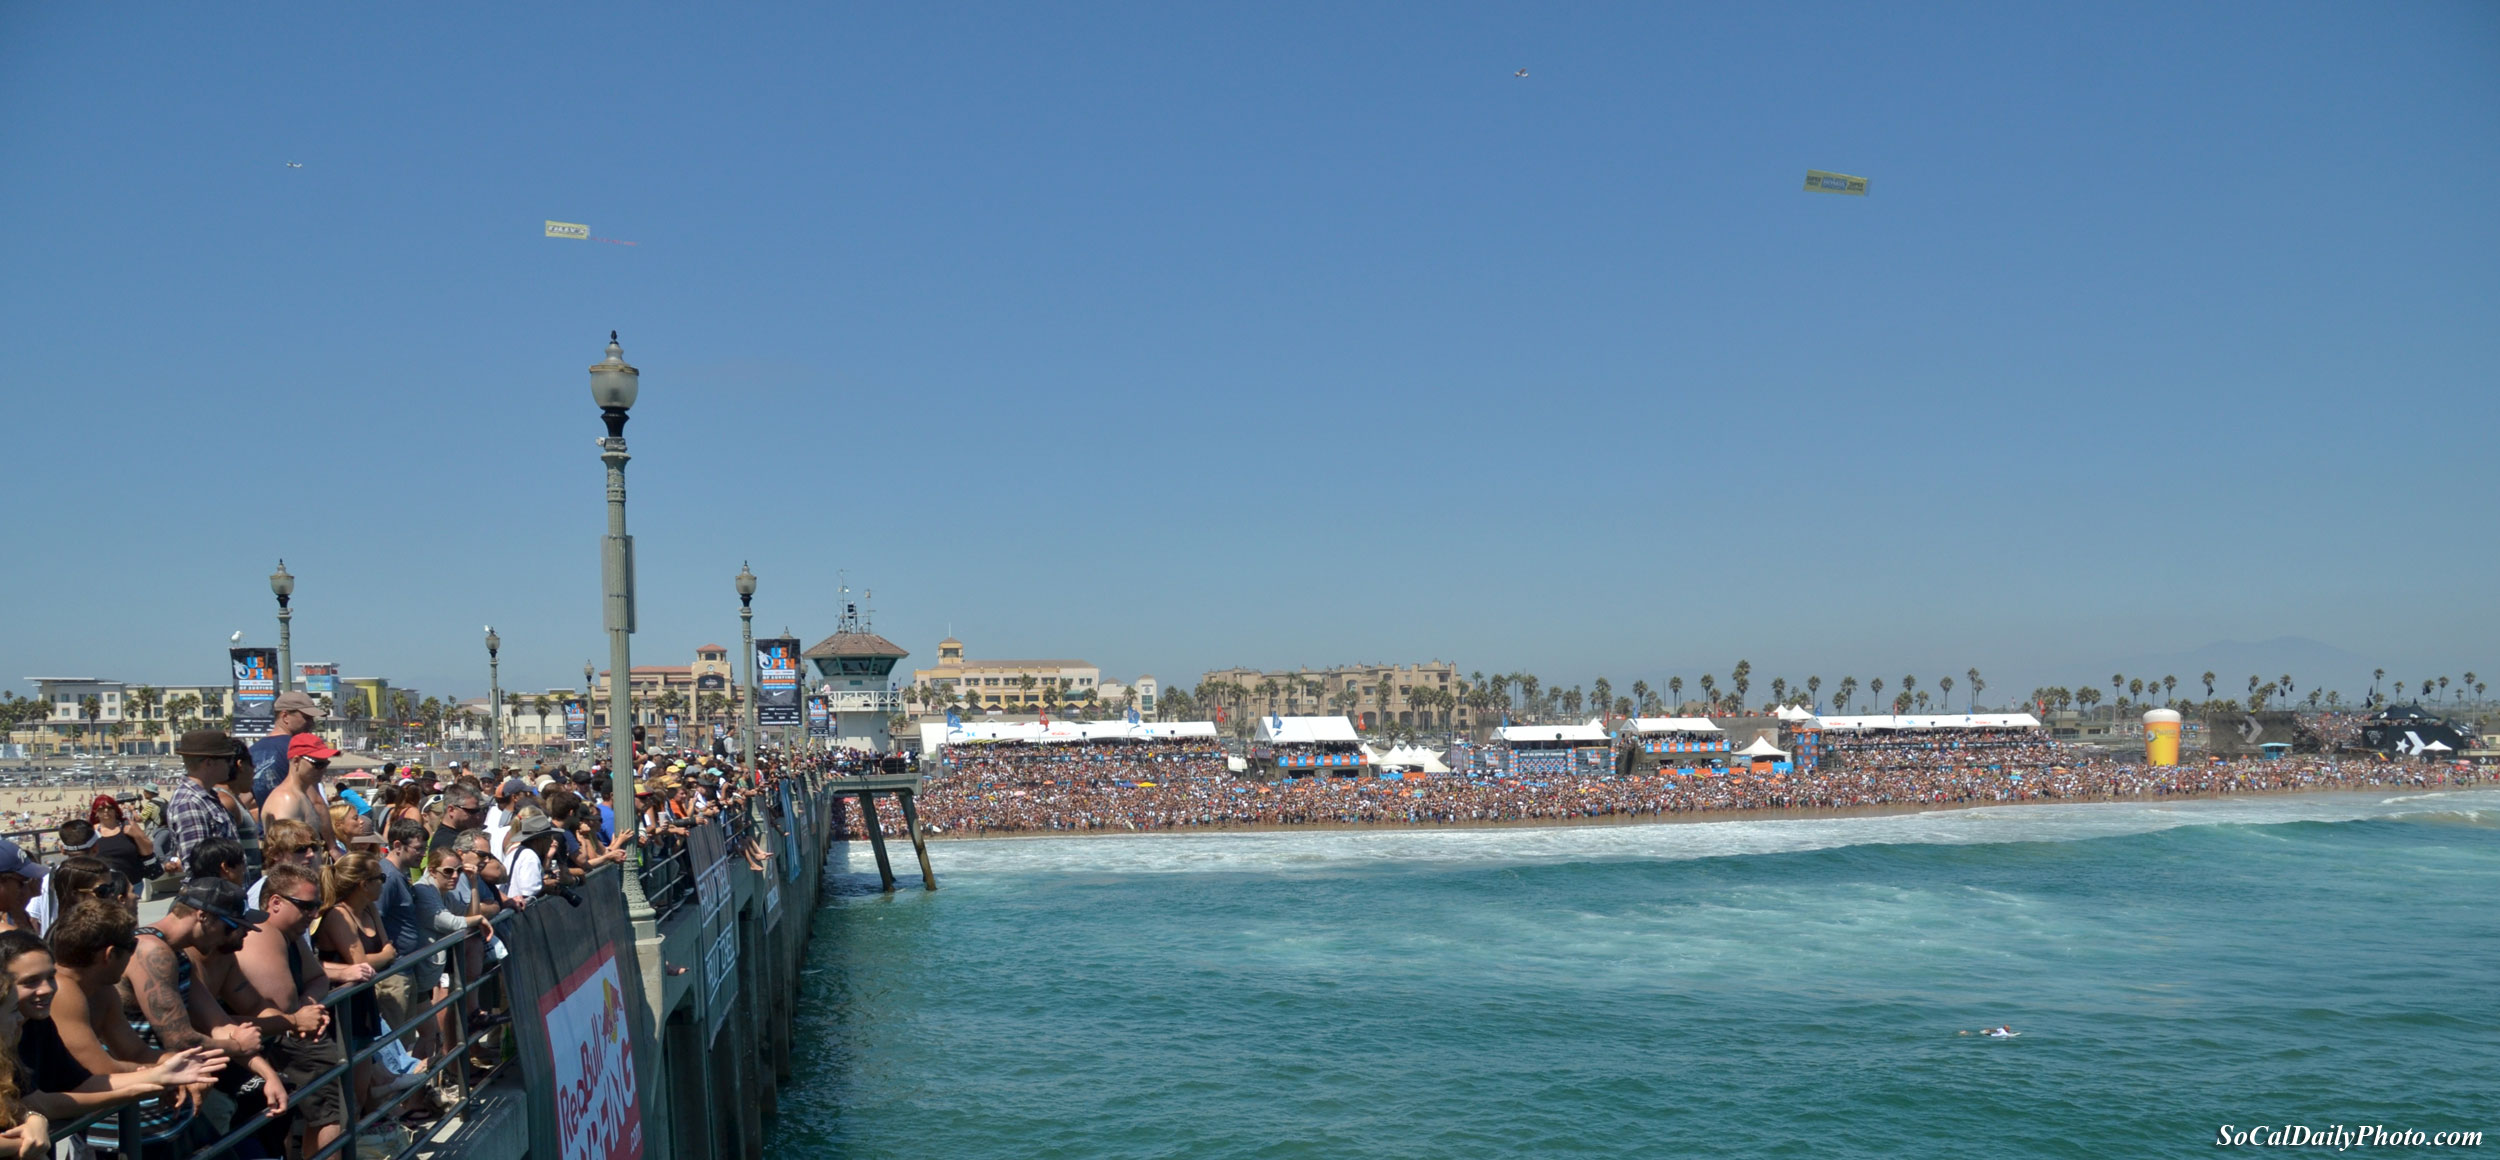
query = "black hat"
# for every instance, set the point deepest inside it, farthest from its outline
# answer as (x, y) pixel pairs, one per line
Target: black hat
(221, 898)
(204, 743)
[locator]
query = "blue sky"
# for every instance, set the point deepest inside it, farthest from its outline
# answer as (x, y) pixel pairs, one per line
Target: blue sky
(1178, 336)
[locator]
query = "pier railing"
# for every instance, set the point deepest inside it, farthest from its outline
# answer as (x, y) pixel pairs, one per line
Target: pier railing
(119, 1129)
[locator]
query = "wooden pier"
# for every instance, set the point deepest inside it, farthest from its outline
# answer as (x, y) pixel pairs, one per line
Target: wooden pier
(902, 787)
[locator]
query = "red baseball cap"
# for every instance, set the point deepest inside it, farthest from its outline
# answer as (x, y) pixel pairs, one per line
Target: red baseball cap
(309, 745)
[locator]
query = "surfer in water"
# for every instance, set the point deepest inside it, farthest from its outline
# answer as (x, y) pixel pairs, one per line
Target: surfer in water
(1999, 1032)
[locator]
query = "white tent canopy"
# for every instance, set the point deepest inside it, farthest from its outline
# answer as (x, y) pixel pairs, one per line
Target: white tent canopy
(1950, 721)
(937, 735)
(1674, 725)
(1762, 747)
(1591, 732)
(1306, 730)
(1413, 757)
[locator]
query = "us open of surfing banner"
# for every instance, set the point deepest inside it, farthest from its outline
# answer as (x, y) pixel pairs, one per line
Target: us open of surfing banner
(777, 682)
(597, 1116)
(576, 722)
(255, 691)
(819, 718)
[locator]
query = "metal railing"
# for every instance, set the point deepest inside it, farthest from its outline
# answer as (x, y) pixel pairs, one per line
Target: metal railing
(467, 1082)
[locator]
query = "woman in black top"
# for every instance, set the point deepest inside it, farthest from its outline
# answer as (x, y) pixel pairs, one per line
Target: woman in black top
(50, 1080)
(122, 846)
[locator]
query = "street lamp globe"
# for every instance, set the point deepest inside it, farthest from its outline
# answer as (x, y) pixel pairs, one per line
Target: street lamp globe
(613, 386)
(746, 584)
(281, 584)
(493, 642)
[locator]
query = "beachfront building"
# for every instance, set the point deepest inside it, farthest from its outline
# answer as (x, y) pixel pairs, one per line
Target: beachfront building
(705, 691)
(1422, 696)
(1302, 746)
(1008, 686)
(1679, 745)
(1556, 750)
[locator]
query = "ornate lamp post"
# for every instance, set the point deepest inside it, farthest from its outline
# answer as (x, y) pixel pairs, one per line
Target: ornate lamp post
(746, 632)
(494, 699)
(283, 586)
(613, 386)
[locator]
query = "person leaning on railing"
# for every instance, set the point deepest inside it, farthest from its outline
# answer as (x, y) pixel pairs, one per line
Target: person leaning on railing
(182, 980)
(92, 945)
(282, 968)
(42, 1086)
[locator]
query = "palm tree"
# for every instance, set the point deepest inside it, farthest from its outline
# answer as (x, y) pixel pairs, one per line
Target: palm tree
(1875, 692)
(2169, 685)
(91, 707)
(1740, 679)
(2135, 687)
(2443, 684)
(1779, 690)
(1710, 692)
(1922, 701)
(142, 700)
(1840, 696)
(2209, 684)
(1602, 695)
(1640, 696)
(1908, 684)
(1530, 705)
(1944, 693)
(1675, 689)
(1814, 693)
(1975, 685)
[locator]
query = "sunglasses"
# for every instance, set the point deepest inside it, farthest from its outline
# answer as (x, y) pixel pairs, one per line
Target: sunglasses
(303, 904)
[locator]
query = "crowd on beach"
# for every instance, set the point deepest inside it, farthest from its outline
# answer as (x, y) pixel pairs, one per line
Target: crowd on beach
(310, 918)
(1010, 790)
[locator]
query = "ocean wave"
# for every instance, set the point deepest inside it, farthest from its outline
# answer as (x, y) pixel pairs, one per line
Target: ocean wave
(1308, 851)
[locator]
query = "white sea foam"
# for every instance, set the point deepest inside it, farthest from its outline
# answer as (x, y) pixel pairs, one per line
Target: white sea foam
(1323, 850)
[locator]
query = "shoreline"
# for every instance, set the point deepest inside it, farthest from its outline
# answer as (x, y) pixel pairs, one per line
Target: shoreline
(1885, 809)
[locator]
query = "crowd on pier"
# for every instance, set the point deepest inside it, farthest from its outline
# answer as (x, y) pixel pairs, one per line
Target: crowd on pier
(304, 919)
(998, 792)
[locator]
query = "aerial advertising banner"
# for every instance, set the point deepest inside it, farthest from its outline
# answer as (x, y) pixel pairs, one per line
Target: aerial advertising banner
(777, 682)
(568, 230)
(1818, 181)
(255, 691)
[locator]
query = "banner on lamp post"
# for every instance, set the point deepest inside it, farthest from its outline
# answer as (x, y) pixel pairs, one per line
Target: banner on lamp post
(777, 682)
(255, 691)
(819, 718)
(576, 721)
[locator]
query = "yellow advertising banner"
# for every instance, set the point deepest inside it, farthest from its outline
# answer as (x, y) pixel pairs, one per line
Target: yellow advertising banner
(1817, 181)
(574, 230)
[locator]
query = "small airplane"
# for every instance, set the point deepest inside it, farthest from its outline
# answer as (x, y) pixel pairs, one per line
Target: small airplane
(295, 165)
(1521, 73)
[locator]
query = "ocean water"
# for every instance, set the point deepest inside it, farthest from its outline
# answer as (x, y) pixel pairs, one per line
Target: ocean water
(1770, 988)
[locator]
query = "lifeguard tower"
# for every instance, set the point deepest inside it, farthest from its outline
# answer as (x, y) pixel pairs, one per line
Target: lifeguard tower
(854, 671)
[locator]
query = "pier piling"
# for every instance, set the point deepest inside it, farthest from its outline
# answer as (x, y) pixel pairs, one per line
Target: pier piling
(919, 845)
(876, 837)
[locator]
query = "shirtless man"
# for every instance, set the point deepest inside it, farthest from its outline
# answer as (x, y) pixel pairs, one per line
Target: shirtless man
(169, 982)
(279, 964)
(299, 796)
(91, 946)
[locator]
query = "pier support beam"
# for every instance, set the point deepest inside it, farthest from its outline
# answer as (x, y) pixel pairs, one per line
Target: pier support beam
(919, 845)
(876, 837)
